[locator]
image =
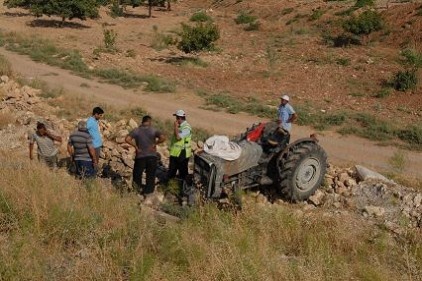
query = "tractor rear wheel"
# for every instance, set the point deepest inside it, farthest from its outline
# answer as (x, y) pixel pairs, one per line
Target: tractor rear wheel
(301, 170)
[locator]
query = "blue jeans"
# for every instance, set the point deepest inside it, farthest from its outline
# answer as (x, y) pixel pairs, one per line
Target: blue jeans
(84, 169)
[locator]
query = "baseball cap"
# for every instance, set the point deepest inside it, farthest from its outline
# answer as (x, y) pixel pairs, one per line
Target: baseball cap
(285, 97)
(180, 113)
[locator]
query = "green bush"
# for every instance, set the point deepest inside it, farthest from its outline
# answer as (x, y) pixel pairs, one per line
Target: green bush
(198, 38)
(364, 3)
(412, 135)
(200, 16)
(383, 93)
(245, 17)
(412, 58)
(161, 41)
(405, 80)
(365, 23)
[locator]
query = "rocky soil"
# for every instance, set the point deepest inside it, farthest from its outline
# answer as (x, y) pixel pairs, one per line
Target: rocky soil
(357, 189)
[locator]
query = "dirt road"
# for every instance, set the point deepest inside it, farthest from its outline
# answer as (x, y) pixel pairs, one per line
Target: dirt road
(341, 150)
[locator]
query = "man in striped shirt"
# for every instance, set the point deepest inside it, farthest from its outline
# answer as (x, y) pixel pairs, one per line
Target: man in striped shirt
(82, 151)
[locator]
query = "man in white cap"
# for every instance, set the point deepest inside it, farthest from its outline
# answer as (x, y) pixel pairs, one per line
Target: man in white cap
(286, 114)
(180, 146)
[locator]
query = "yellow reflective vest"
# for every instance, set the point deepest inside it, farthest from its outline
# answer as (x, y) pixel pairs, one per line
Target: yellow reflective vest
(176, 146)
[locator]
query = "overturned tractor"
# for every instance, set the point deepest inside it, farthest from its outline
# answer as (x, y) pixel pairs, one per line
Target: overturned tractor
(267, 159)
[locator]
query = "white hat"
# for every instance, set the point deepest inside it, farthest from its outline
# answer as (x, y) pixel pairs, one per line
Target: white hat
(180, 113)
(285, 97)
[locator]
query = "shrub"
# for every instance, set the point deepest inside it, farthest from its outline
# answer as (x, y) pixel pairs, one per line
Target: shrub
(200, 16)
(365, 23)
(199, 37)
(342, 40)
(364, 3)
(412, 135)
(161, 41)
(405, 80)
(383, 93)
(116, 10)
(109, 39)
(245, 17)
(411, 58)
(343, 61)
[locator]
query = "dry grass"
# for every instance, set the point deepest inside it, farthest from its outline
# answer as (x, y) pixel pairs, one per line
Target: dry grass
(53, 227)
(5, 67)
(5, 119)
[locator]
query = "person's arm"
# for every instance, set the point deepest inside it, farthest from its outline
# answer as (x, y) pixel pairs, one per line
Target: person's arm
(91, 151)
(176, 130)
(31, 148)
(54, 137)
(130, 140)
(292, 118)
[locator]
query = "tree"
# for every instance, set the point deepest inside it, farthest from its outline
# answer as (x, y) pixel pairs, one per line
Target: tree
(66, 9)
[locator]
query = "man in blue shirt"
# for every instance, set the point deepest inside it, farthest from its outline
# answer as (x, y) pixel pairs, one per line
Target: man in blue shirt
(94, 130)
(286, 114)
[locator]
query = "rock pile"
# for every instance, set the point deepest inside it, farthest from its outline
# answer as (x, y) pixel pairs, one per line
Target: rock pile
(357, 189)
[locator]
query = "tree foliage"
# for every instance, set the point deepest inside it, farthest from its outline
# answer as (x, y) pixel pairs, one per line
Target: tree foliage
(199, 37)
(66, 9)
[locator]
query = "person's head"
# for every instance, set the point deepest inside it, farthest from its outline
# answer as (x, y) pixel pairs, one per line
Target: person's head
(146, 120)
(82, 126)
(284, 99)
(98, 113)
(41, 129)
(180, 115)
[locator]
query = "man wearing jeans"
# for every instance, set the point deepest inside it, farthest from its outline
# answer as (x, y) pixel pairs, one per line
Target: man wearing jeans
(144, 139)
(94, 130)
(82, 151)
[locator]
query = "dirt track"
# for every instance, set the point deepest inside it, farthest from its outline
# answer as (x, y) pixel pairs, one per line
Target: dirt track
(341, 150)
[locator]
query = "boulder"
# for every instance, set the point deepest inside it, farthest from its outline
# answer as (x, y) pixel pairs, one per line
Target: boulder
(365, 173)
(4, 78)
(317, 198)
(132, 124)
(374, 211)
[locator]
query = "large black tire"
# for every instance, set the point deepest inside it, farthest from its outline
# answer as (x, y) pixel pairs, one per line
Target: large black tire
(301, 170)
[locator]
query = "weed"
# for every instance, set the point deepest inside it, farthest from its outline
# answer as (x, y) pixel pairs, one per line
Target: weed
(131, 53)
(343, 61)
(316, 14)
(186, 61)
(346, 12)
(272, 58)
(245, 17)
(364, 3)
(199, 37)
(5, 120)
(109, 39)
(253, 26)
(161, 41)
(200, 16)
(398, 161)
(383, 93)
(340, 41)
(286, 11)
(115, 9)
(405, 80)
(296, 18)
(365, 23)
(5, 67)
(412, 135)
(84, 85)
(411, 58)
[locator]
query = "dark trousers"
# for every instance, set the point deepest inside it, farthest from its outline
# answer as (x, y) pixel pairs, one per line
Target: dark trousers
(149, 165)
(84, 169)
(178, 164)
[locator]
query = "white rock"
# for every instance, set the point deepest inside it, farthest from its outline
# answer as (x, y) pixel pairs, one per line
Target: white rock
(316, 199)
(365, 173)
(4, 78)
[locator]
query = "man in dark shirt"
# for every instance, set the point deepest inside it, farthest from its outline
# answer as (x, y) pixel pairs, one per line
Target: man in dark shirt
(144, 139)
(82, 151)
